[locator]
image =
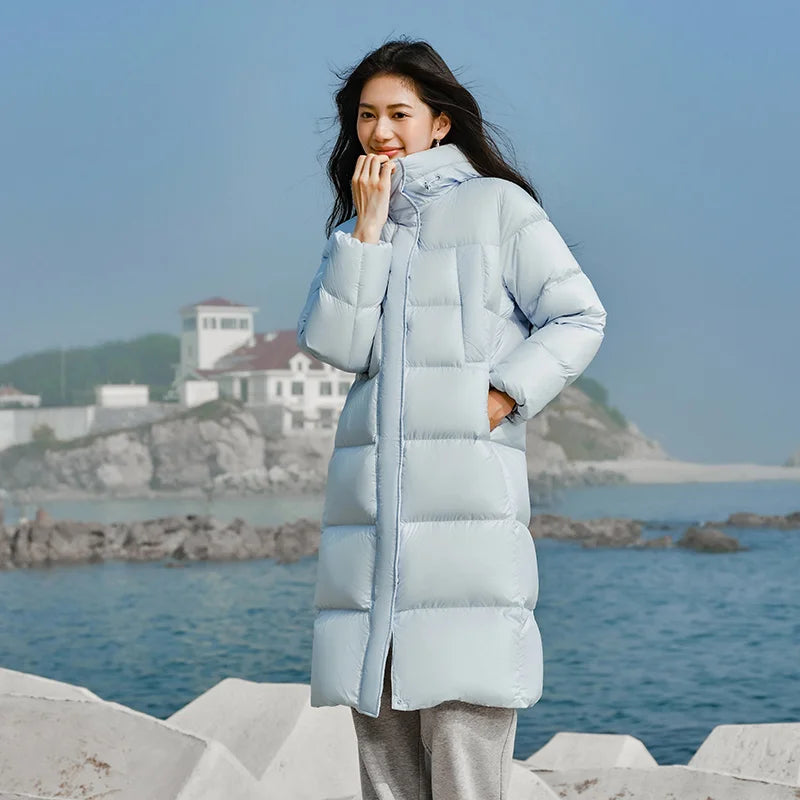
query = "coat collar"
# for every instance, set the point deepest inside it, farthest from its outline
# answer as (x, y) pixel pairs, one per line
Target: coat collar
(423, 176)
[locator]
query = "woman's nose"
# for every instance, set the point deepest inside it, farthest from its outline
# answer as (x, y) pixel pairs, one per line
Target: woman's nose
(383, 129)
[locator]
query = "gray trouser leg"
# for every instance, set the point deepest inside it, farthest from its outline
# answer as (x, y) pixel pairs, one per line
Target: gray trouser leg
(452, 751)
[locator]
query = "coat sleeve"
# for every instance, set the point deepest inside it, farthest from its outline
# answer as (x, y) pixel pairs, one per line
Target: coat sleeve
(344, 305)
(560, 302)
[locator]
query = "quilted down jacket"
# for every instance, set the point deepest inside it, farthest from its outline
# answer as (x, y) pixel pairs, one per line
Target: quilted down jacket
(425, 539)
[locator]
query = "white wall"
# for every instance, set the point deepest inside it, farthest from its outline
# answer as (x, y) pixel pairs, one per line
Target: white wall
(68, 422)
(122, 395)
(215, 342)
(194, 393)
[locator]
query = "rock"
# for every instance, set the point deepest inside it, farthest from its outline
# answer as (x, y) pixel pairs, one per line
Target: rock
(659, 783)
(603, 532)
(611, 533)
(176, 453)
(527, 785)
(85, 749)
(243, 740)
(189, 538)
(271, 728)
(219, 448)
(657, 542)
(13, 682)
(295, 540)
(567, 750)
(709, 540)
(6, 561)
(765, 752)
(746, 519)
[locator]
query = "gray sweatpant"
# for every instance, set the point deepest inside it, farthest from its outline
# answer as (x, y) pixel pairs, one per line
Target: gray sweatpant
(452, 751)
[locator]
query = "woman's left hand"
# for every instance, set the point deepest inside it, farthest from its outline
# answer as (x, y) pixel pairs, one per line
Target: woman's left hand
(500, 405)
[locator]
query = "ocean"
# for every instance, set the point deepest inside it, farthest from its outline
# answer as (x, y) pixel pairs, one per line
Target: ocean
(659, 644)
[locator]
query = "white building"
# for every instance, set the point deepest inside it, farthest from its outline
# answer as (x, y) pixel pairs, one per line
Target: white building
(222, 356)
(122, 395)
(11, 397)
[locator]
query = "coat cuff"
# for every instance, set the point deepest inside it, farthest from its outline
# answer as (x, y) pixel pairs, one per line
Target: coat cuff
(358, 272)
(532, 376)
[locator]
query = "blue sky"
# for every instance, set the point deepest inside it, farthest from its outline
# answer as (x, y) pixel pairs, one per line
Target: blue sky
(155, 153)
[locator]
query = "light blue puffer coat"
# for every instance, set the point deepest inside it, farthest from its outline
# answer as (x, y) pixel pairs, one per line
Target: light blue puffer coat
(425, 536)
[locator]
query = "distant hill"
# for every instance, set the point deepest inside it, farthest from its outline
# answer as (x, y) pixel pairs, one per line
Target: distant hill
(69, 379)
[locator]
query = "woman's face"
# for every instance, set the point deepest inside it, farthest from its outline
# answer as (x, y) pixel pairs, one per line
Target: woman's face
(393, 120)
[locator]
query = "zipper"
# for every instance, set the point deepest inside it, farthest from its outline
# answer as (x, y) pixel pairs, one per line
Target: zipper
(402, 400)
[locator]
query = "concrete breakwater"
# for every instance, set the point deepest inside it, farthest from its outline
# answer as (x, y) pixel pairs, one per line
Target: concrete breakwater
(246, 740)
(179, 539)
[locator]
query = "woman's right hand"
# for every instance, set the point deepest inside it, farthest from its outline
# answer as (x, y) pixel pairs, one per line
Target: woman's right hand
(371, 185)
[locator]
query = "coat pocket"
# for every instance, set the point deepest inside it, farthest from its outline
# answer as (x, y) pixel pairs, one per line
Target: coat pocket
(472, 288)
(493, 433)
(505, 432)
(376, 354)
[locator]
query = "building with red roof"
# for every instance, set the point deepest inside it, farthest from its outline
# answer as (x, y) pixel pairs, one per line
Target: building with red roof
(222, 356)
(11, 397)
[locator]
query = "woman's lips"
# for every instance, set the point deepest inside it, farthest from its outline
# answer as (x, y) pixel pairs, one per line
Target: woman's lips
(389, 153)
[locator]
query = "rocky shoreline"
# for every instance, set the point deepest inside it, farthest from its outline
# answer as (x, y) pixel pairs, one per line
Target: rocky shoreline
(182, 539)
(219, 450)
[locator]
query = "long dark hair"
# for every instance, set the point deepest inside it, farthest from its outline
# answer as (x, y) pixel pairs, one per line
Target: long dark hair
(437, 87)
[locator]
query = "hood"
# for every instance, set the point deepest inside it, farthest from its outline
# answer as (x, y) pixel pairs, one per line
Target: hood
(423, 176)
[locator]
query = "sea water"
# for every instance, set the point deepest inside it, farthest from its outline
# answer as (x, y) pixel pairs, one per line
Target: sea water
(659, 644)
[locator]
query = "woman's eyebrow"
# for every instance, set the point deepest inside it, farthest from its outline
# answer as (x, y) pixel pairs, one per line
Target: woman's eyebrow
(393, 105)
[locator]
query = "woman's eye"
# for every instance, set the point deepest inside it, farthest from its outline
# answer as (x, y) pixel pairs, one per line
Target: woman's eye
(365, 114)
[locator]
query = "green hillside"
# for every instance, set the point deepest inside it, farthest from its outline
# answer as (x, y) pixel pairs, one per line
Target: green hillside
(595, 390)
(69, 377)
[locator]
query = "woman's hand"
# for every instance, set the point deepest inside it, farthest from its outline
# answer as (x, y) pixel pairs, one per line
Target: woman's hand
(371, 185)
(500, 405)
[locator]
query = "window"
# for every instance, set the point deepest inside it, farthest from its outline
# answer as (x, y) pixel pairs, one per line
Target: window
(244, 323)
(344, 387)
(190, 323)
(278, 388)
(326, 417)
(297, 387)
(228, 323)
(326, 387)
(209, 322)
(297, 419)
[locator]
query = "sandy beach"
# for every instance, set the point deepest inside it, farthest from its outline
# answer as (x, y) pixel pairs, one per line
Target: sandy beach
(667, 470)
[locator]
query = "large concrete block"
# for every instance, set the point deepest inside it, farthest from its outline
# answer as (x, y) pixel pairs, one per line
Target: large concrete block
(658, 783)
(766, 752)
(87, 749)
(527, 785)
(15, 796)
(15, 682)
(296, 751)
(570, 750)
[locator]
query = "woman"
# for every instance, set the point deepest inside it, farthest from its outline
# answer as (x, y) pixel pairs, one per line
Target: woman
(450, 294)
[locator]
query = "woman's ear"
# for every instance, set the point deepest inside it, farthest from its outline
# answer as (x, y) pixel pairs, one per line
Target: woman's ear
(441, 126)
